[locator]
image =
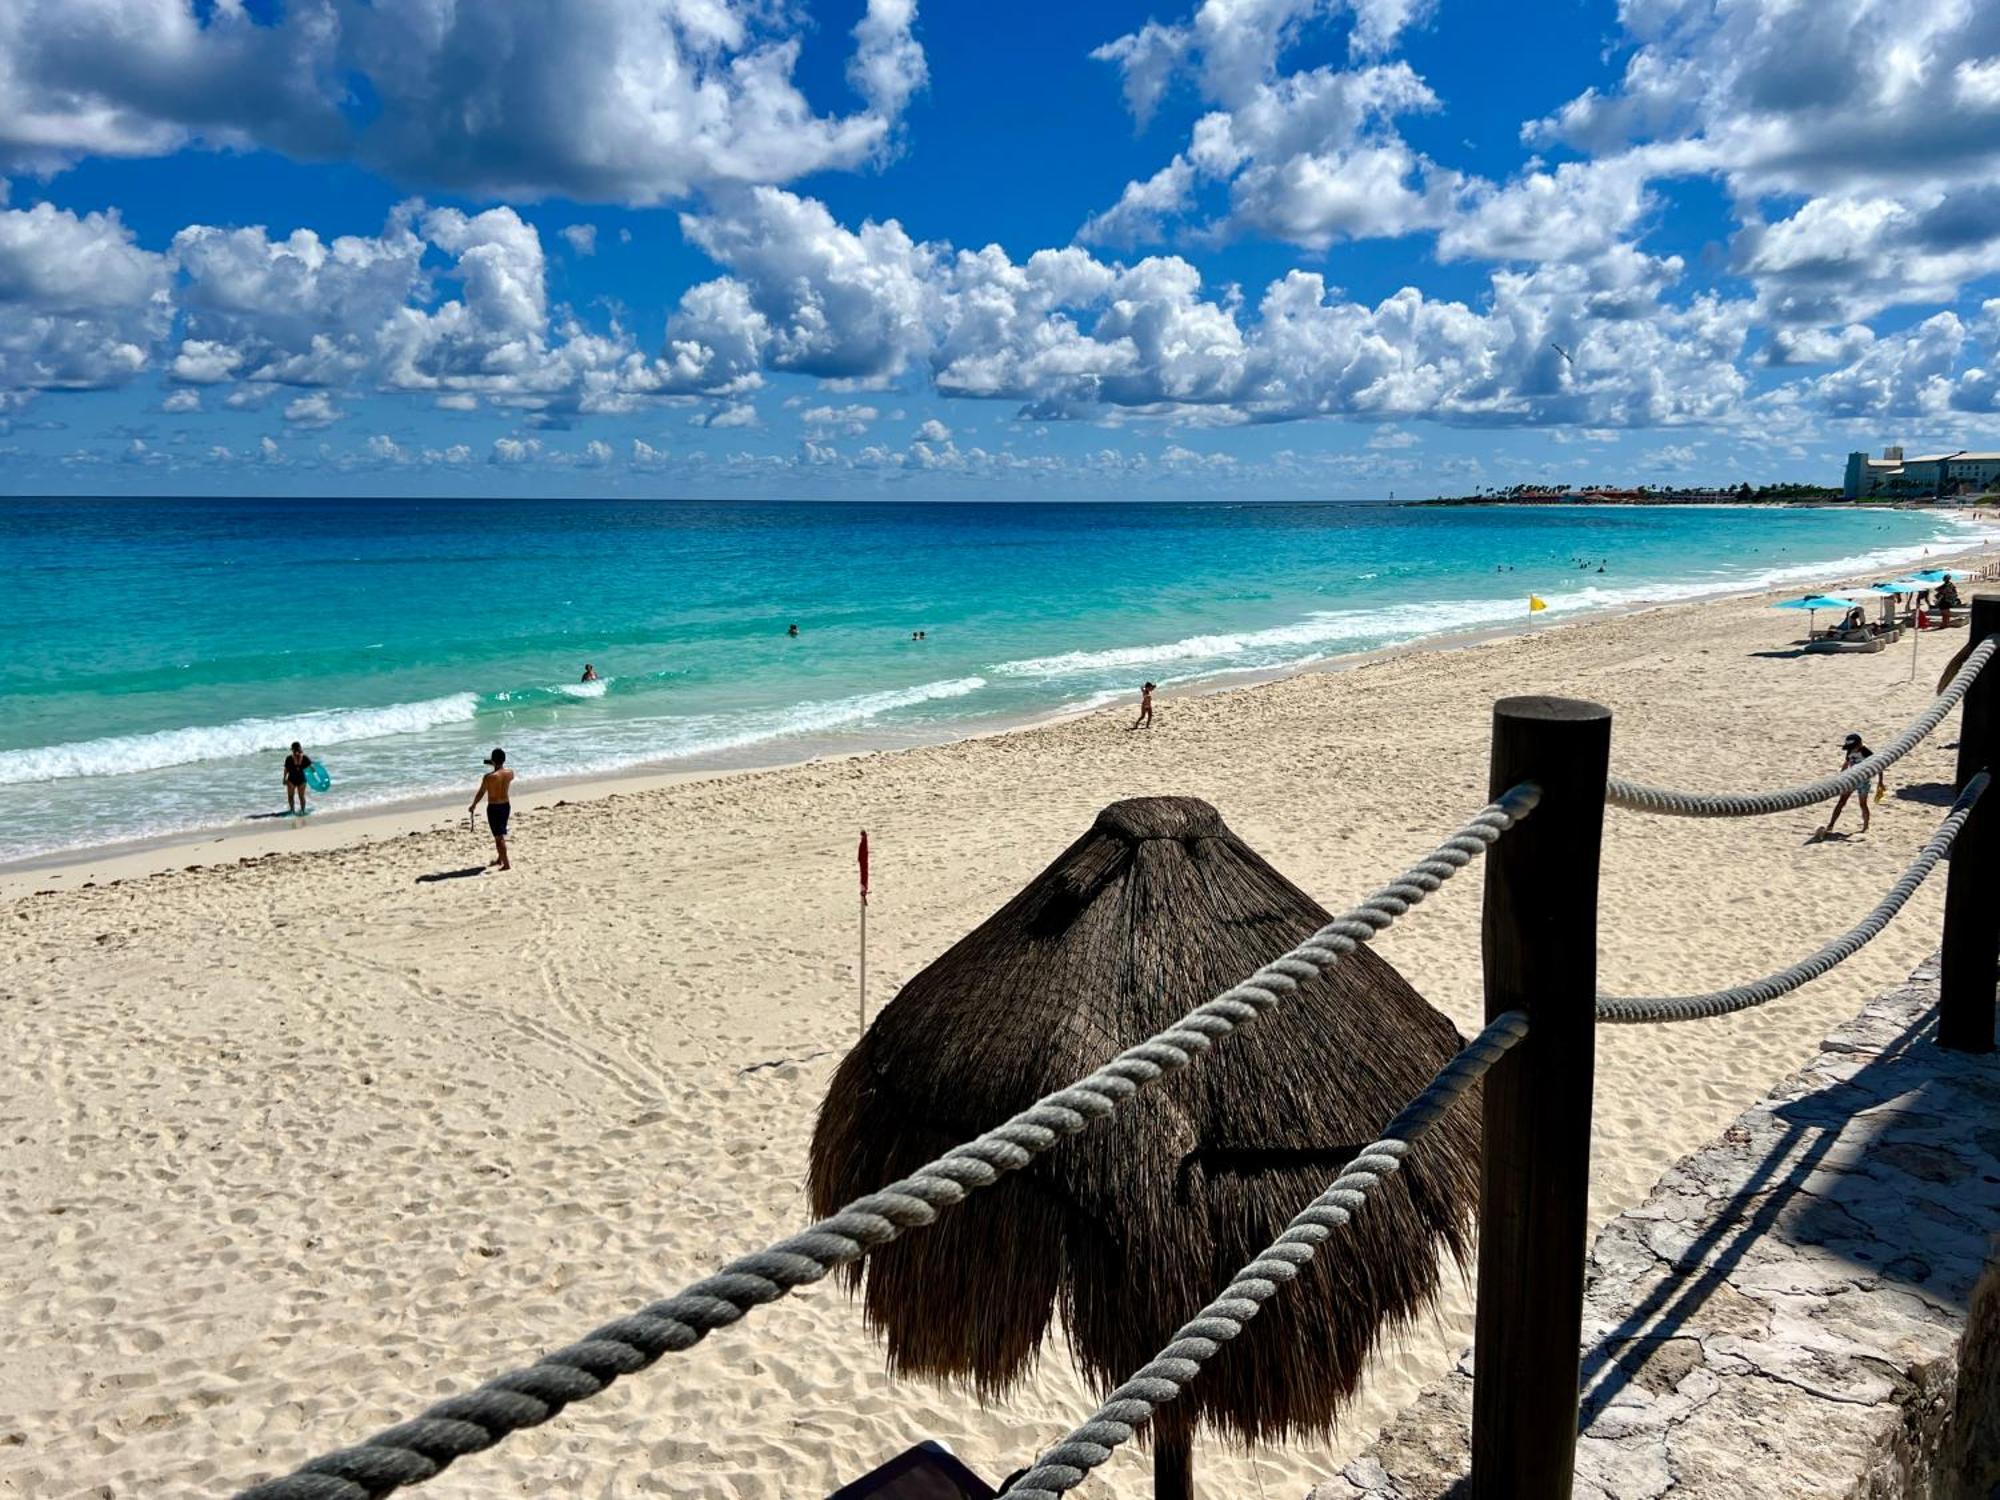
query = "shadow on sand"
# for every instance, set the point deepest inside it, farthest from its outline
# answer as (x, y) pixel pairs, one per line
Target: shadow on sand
(437, 875)
(1928, 793)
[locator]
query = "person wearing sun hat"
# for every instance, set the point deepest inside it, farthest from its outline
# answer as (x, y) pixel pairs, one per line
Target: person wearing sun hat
(495, 787)
(1853, 753)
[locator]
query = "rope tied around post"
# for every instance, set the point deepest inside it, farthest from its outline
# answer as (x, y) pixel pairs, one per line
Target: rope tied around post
(1664, 802)
(1128, 1408)
(1613, 1011)
(418, 1450)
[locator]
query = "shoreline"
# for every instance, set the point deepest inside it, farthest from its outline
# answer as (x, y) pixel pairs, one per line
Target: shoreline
(160, 854)
(1983, 509)
(89, 814)
(223, 845)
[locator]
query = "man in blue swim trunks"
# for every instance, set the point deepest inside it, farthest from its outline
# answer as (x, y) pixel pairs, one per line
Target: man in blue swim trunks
(494, 788)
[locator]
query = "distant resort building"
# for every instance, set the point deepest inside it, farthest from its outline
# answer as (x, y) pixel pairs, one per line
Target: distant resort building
(1927, 476)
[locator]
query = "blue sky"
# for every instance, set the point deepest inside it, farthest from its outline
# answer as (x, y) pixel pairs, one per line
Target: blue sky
(1283, 248)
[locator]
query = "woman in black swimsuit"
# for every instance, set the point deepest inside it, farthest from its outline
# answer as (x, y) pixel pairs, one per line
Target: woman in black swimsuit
(295, 779)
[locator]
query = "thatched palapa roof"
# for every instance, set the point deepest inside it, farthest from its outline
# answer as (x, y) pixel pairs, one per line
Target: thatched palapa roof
(1131, 1227)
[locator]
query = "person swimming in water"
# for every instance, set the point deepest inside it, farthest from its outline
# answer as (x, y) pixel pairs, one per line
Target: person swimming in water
(590, 673)
(793, 632)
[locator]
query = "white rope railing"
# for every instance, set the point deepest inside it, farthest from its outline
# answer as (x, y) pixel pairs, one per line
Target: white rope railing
(1619, 1012)
(1635, 797)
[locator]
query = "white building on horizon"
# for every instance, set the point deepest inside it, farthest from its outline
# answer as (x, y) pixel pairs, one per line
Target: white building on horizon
(1927, 476)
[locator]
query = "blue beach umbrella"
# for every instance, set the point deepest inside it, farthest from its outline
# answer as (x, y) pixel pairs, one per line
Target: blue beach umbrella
(1939, 575)
(1812, 604)
(1893, 591)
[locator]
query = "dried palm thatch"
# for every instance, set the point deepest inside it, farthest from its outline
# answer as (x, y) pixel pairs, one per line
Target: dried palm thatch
(1129, 1228)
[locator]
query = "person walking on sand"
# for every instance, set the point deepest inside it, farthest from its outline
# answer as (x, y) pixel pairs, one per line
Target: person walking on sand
(1853, 752)
(1948, 600)
(295, 779)
(1145, 719)
(496, 787)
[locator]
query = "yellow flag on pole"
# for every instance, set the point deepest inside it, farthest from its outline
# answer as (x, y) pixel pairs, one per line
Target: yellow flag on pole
(1536, 604)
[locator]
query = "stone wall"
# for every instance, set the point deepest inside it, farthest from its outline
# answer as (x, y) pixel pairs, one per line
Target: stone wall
(1970, 1469)
(1783, 1316)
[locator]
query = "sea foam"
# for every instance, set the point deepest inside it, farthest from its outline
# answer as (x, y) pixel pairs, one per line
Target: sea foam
(122, 753)
(1325, 633)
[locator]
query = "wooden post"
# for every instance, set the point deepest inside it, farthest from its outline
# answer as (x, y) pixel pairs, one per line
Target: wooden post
(1539, 946)
(1173, 1466)
(1971, 915)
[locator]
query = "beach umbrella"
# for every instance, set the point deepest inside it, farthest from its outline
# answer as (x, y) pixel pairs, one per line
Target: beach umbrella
(1893, 590)
(1935, 576)
(1813, 604)
(1890, 592)
(1128, 1228)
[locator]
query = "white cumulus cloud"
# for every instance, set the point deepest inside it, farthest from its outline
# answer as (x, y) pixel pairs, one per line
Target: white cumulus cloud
(81, 304)
(1310, 156)
(314, 410)
(1876, 121)
(636, 101)
(852, 419)
(1067, 334)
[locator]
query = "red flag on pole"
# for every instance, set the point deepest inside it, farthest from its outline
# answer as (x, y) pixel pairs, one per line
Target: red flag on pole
(862, 856)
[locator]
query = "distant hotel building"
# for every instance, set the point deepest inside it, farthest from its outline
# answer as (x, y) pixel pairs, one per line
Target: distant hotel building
(1927, 476)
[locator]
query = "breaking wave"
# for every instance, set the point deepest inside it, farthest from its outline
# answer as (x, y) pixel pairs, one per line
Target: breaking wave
(122, 753)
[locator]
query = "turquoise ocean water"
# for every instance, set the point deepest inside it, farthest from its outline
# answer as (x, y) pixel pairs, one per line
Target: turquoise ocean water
(157, 655)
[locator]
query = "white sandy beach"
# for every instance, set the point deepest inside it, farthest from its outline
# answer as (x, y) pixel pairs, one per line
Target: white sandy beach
(289, 1148)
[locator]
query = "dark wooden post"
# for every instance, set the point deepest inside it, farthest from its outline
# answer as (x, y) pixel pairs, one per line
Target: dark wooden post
(1971, 914)
(1539, 945)
(1173, 1465)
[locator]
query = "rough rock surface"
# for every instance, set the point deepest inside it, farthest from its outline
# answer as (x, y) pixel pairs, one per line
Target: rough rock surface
(1782, 1317)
